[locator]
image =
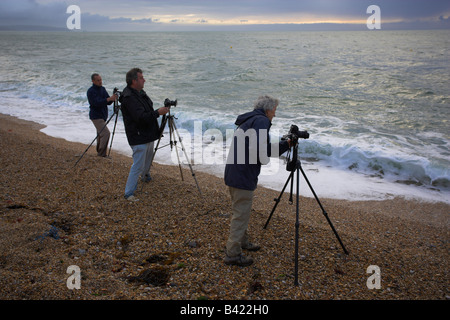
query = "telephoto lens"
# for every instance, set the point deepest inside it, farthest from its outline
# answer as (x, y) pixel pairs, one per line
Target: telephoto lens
(168, 103)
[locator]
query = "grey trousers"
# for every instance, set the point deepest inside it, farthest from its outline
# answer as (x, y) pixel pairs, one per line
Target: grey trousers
(241, 201)
(103, 136)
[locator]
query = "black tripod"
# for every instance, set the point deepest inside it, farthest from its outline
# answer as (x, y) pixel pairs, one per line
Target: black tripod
(295, 166)
(173, 143)
(116, 113)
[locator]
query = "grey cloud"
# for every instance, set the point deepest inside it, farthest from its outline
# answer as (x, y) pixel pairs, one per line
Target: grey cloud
(31, 13)
(99, 13)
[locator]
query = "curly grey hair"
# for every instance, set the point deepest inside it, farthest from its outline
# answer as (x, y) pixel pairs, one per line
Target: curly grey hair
(266, 103)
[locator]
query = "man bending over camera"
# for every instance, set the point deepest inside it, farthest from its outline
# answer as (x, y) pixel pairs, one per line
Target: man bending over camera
(249, 150)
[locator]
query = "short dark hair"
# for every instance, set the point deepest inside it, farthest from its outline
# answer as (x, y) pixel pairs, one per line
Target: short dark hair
(132, 75)
(94, 75)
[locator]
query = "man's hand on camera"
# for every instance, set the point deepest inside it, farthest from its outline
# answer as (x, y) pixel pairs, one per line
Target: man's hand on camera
(112, 98)
(162, 111)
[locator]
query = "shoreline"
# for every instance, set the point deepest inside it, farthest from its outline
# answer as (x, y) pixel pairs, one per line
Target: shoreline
(112, 240)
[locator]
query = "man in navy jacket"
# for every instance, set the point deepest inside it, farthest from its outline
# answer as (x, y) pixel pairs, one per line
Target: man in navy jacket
(250, 149)
(99, 100)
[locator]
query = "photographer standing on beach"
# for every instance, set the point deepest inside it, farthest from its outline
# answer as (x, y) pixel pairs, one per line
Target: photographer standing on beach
(99, 100)
(141, 128)
(249, 150)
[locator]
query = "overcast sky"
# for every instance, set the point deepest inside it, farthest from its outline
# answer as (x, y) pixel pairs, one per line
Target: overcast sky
(148, 15)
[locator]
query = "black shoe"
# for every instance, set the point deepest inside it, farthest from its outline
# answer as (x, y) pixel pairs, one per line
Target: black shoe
(251, 247)
(147, 178)
(240, 260)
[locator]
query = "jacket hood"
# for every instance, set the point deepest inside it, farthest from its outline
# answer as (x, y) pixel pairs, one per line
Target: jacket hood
(244, 117)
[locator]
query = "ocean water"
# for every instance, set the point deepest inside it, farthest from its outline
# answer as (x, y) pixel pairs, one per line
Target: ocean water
(376, 104)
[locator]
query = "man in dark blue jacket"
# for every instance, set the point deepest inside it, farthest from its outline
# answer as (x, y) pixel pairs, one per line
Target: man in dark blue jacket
(141, 128)
(99, 100)
(250, 149)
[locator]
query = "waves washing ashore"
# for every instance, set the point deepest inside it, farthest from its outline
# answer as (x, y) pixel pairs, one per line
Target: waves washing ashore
(376, 105)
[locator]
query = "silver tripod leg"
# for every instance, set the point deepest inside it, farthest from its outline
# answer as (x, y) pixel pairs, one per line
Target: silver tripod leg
(172, 130)
(185, 154)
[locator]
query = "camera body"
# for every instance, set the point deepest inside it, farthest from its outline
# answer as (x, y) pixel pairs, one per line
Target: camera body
(169, 103)
(116, 102)
(294, 134)
(117, 92)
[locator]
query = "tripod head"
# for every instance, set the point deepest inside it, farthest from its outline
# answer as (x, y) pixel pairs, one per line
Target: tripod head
(293, 136)
(292, 163)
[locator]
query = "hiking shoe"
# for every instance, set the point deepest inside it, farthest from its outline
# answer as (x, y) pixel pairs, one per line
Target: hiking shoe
(132, 199)
(251, 247)
(240, 260)
(147, 178)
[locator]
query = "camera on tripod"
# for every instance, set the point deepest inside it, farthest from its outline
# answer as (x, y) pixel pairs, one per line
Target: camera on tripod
(169, 103)
(294, 134)
(116, 104)
(294, 167)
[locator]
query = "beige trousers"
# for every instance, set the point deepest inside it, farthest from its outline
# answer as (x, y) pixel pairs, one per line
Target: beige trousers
(241, 201)
(103, 136)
